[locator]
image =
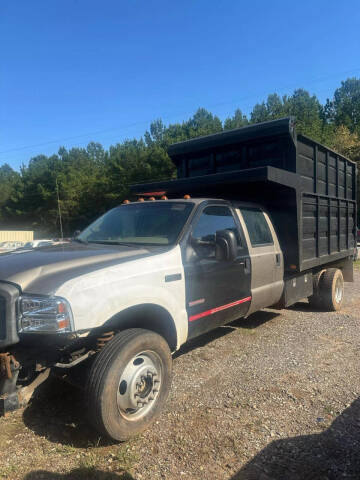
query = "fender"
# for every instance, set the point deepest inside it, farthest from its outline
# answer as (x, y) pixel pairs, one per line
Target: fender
(101, 295)
(148, 316)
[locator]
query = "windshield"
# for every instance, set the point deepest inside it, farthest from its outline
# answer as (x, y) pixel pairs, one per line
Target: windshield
(156, 223)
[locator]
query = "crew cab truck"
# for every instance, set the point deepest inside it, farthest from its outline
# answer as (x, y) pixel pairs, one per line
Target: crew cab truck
(258, 217)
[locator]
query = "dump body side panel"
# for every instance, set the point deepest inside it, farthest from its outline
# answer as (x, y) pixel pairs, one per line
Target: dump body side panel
(327, 204)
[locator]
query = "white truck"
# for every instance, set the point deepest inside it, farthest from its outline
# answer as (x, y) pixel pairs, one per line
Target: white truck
(258, 217)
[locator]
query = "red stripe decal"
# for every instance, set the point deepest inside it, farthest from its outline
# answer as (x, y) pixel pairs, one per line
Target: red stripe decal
(218, 309)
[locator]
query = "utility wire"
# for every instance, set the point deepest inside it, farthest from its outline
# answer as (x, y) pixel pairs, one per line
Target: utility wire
(168, 117)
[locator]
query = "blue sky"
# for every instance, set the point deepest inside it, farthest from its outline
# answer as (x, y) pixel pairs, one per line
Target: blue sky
(72, 71)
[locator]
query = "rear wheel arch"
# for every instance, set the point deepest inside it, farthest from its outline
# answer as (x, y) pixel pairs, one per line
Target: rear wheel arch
(148, 316)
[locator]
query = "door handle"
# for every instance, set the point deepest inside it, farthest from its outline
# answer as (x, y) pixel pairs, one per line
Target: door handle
(277, 259)
(246, 264)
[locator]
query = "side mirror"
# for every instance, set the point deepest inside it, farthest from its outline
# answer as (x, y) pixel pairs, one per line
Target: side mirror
(203, 248)
(225, 245)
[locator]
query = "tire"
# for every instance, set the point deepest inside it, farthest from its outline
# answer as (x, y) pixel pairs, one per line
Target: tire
(332, 289)
(328, 290)
(128, 383)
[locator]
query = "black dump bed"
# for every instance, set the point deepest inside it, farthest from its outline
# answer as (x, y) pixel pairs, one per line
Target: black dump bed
(309, 190)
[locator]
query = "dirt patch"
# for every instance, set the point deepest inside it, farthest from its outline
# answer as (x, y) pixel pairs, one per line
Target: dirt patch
(275, 396)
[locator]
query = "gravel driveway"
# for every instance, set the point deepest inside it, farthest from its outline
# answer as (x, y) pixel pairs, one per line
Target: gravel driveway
(275, 396)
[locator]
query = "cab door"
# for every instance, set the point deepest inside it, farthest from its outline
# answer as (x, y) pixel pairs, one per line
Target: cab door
(267, 279)
(217, 291)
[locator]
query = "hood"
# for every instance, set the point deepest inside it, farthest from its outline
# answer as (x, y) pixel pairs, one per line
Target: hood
(43, 270)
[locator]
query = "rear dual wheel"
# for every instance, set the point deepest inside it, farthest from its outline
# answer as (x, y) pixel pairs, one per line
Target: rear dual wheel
(128, 384)
(328, 290)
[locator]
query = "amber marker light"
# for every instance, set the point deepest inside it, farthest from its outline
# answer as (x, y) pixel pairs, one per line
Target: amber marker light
(125, 202)
(152, 199)
(187, 197)
(141, 199)
(164, 197)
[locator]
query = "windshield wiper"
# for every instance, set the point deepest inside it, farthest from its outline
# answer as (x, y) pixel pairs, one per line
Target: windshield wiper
(109, 242)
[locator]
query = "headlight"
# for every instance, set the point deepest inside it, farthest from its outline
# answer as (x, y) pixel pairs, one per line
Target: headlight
(45, 315)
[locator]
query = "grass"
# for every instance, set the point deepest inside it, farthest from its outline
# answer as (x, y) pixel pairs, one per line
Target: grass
(126, 458)
(7, 470)
(121, 460)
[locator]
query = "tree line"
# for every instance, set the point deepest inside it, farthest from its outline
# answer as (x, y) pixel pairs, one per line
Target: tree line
(91, 180)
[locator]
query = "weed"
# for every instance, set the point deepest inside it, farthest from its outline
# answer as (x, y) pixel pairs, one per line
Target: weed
(328, 410)
(125, 457)
(87, 466)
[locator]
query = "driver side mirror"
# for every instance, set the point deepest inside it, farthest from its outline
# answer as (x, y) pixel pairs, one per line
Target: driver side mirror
(225, 245)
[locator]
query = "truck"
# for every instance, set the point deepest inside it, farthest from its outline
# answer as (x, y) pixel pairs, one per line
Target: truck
(258, 217)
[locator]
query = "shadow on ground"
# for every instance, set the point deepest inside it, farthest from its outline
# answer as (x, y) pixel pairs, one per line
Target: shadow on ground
(331, 455)
(78, 474)
(304, 307)
(57, 413)
(253, 321)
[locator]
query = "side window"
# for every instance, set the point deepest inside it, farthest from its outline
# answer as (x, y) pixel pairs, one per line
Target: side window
(213, 218)
(257, 227)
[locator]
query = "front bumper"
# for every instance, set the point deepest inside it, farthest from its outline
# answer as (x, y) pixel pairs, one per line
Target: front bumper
(9, 295)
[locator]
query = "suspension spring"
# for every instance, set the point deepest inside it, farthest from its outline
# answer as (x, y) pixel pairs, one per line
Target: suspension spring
(104, 339)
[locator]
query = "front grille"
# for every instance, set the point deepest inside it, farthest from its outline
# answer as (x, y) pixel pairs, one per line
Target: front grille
(2, 318)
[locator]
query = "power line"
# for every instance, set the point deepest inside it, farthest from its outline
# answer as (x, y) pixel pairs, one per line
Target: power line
(167, 117)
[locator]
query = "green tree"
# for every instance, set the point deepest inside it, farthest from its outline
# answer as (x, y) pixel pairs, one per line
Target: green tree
(307, 110)
(238, 120)
(344, 109)
(8, 181)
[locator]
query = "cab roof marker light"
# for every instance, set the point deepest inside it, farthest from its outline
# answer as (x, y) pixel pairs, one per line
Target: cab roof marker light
(141, 199)
(125, 202)
(186, 197)
(164, 197)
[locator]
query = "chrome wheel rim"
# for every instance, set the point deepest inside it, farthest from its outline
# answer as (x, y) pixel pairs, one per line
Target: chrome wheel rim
(139, 385)
(338, 290)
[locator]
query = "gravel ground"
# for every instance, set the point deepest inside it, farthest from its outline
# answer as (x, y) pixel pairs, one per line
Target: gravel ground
(275, 396)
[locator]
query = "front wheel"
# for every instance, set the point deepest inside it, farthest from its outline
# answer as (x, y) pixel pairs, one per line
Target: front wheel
(128, 383)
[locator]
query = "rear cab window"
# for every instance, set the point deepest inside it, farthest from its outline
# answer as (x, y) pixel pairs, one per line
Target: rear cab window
(257, 226)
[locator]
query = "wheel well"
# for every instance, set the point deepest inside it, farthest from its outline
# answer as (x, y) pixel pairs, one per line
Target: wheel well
(148, 316)
(346, 265)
